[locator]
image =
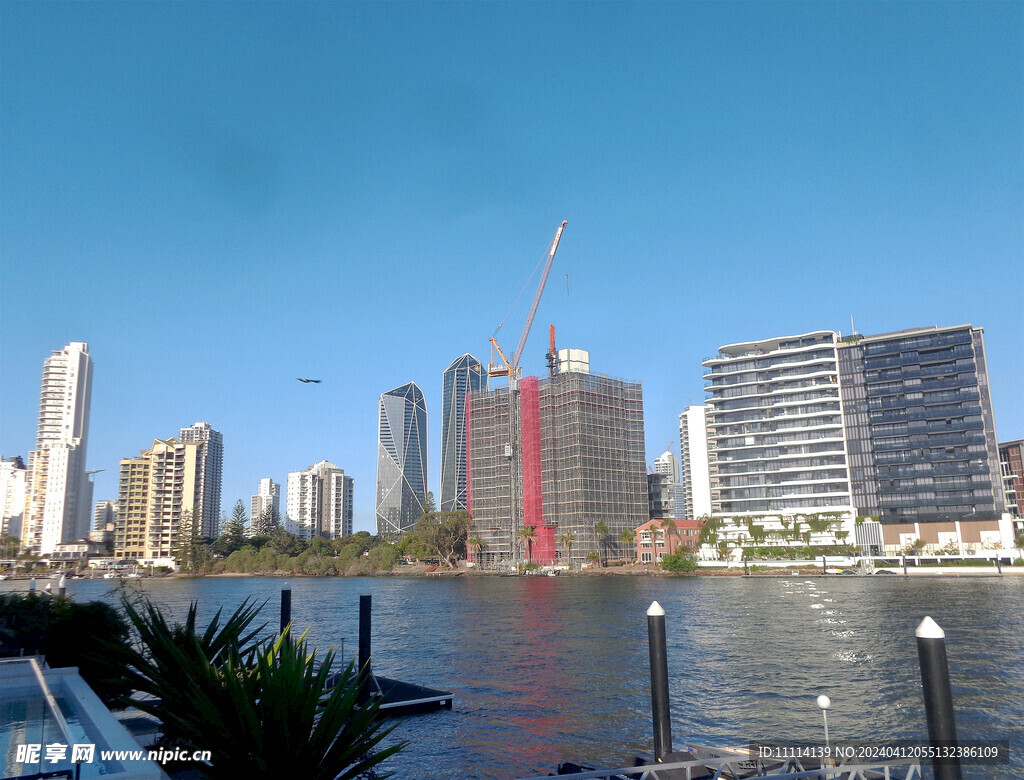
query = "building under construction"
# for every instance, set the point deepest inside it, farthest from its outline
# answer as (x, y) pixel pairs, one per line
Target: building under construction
(580, 462)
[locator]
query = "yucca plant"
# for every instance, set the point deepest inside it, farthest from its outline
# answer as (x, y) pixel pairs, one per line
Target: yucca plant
(263, 709)
(277, 718)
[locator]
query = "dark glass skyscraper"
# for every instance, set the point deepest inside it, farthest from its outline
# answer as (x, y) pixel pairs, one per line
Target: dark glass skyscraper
(464, 375)
(920, 431)
(401, 459)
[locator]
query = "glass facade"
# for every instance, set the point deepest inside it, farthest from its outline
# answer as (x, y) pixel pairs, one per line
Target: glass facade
(920, 427)
(464, 375)
(401, 459)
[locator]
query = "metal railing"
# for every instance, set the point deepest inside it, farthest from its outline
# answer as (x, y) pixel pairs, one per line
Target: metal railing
(745, 766)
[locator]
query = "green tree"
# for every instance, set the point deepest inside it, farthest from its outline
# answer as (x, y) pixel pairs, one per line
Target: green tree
(679, 562)
(234, 531)
(1018, 541)
(476, 545)
(566, 540)
(628, 539)
(268, 521)
(190, 552)
(443, 535)
(526, 536)
(601, 534)
(9, 546)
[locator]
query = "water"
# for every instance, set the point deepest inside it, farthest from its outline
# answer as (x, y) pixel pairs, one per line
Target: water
(547, 669)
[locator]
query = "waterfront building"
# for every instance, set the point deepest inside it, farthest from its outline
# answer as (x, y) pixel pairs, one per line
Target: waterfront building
(581, 465)
(211, 470)
(157, 491)
(655, 539)
(319, 502)
(464, 375)
(13, 486)
(667, 465)
(55, 508)
(104, 516)
(776, 449)
(693, 462)
(659, 497)
(401, 459)
(1011, 464)
(265, 505)
(921, 435)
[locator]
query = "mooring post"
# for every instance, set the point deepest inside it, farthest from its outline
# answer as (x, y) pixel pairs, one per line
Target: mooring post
(823, 569)
(746, 569)
(32, 585)
(999, 565)
(62, 586)
(365, 618)
(938, 696)
(904, 564)
(286, 606)
(659, 681)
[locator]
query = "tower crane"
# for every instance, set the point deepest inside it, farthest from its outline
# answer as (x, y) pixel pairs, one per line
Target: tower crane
(511, 369)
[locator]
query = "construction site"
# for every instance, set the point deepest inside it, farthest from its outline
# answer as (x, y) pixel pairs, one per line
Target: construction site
(555, 465)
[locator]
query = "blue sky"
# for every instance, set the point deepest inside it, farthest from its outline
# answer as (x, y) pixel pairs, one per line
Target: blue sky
(221, 197)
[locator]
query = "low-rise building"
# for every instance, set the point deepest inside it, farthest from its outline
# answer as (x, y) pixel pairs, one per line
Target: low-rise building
(657, 538)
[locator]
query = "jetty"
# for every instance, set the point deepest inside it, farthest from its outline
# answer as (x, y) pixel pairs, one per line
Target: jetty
(396, 696)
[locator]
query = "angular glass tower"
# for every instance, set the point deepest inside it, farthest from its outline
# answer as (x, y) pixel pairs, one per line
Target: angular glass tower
(401, 459)
(464, 375)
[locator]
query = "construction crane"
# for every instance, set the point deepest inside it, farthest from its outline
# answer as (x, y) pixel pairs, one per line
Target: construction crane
(510, 368)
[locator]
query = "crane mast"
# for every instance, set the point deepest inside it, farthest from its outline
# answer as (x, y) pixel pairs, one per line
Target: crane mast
(512, 370)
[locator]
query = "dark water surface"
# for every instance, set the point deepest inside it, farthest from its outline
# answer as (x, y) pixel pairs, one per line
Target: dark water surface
(547, 669)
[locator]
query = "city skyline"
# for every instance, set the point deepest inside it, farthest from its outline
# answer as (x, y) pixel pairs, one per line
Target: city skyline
(345, 170)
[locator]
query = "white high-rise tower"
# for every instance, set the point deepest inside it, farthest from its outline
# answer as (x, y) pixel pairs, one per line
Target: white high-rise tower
(210, 473)
(55, 507)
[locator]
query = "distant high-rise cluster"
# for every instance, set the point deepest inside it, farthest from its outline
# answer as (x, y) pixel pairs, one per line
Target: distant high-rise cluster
(887, 439)
(57, 508)
(401, 459)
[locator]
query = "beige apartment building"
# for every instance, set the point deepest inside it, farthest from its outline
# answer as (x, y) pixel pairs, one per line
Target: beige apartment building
(155, 490)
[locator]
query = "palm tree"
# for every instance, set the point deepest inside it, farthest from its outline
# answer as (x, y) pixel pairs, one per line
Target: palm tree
(566, 541)
(601, 532)
(628, 538)
(527, 535)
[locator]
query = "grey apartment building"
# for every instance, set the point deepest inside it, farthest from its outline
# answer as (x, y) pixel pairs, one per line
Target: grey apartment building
(921, 435)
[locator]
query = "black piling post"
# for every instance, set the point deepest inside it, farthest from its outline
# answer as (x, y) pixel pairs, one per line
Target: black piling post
(659, 681)
(999, 565)
(823, 568)
(746, 568)
(904, 564)
(365, 619)
(286, 606)
(938, 697)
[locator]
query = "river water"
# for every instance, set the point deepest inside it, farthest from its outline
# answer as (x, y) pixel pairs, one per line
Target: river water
(547, 669)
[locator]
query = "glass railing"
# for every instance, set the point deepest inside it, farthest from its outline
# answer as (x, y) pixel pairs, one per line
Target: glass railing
(52, 728)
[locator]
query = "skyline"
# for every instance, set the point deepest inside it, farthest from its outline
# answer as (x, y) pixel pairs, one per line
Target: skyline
(220, 201)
